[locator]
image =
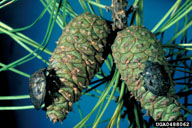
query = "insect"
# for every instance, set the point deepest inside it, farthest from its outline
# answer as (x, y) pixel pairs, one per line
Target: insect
(42, 84)
(155, 78)
(37, 87)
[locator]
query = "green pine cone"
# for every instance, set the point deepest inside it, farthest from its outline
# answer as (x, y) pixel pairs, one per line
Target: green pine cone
(144, 68)
(76, 59)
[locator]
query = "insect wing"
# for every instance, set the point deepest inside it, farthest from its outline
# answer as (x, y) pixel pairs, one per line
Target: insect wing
(156, 78)
(37, 88)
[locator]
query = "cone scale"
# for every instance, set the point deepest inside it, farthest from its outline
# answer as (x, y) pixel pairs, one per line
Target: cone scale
(75, 60)
(133, 50)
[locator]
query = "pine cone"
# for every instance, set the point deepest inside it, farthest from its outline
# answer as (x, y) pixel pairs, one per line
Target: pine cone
(76, 59)
(144, 68)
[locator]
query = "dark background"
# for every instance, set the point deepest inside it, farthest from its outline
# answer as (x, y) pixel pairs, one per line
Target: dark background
(23, 13)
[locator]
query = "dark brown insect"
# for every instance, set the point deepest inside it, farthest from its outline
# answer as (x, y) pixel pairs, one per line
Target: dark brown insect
(155, 78)
(37, 87)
